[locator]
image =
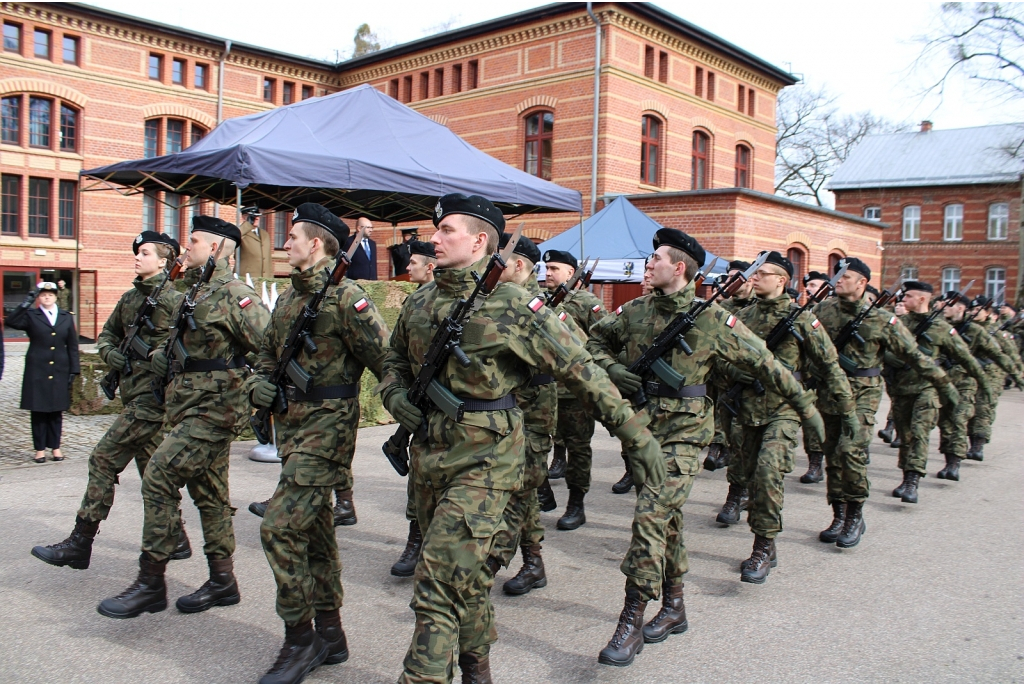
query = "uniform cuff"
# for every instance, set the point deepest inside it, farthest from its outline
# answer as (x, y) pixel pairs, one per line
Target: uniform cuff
(634, 426)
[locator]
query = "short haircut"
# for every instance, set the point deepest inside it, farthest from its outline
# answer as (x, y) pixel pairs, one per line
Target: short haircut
(777, 270)
(427, 259)
(476, 225)
(328, 239)
(676, 255)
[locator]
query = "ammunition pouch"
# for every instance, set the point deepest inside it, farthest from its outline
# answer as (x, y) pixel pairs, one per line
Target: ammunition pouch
(327, 392)
(854, 371)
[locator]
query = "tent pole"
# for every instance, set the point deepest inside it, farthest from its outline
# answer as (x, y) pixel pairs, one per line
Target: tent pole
(581, 237)
(394, 241)
(238, 222)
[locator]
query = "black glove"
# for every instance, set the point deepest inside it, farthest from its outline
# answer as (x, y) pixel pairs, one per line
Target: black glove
(159, 364)
(71, 382)
(263, 394)
(29, 299)
(627, 383)
(404, 411)
(116, 360)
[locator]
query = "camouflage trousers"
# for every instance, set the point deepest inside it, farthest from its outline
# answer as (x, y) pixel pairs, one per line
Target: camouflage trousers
(522, 515)
(298, 539)
(346, 452)
(811, 442)
(128, 438)
(846, 462)
(452, 586)
(193, 455)
(915, 417)
(725, 424)
(985, 411)
(953, 422)
(766, 454)
(574, 432)
(657, 553)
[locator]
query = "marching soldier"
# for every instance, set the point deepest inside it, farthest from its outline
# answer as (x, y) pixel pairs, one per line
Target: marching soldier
(138, 429)
(813, 280)
(575, 427)
(765, 428)
(683, 422)
(206, 409)
(980, 427)
(316, 433)
(465, 471)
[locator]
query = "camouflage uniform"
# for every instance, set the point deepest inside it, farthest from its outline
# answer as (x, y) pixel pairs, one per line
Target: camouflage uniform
(316, 437)
(137, 430)
(683, 425)
(206, 410)
(845, 462)
(464, 473)
(766, 427)
(723, 417)
(985, 407)
(575, 426)
(64, 299)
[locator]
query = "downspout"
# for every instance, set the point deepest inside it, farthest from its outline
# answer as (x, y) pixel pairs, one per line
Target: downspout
(220, 99)
(597, 112)
(1020, 248)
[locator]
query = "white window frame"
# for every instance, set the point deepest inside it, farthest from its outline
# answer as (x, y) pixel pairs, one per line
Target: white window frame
(999, 214)
(909, 273)
(873, 213)
(995, 283)
(911, 223)
(951, 276)
(953, 223)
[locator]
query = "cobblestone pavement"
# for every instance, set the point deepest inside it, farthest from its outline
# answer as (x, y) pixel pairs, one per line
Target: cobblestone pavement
(81, 433)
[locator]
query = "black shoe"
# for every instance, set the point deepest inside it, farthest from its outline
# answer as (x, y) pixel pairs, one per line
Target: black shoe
(344, 509)
(558, 464)
(546, 496)
(977, 451)
(259, 508)
(74, 551)
(718, 457)
(220, 590)
(574, 516)
(184, 548)
(531, 575)
(628, 639)
(147, 593)
(475, 669)
(853, 527)
(910, 487)
(730, 513)
(759, 565)
(831, 534)
(901, 488)
(886, 434)
(406, 564)
(328, 627)
(814, 472)
(896, 442)
(302, 652)
(951, 471)
(671, 619)
(624, 485)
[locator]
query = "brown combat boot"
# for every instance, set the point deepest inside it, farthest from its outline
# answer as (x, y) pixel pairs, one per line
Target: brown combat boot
(344, 509)
(671, 619)
(328, 627)
(75, 550)
(814, 471)
(759, 565)
(531, 575)
(628, 640)
(475, 669)
(831, 534)
(220, 590)
(734, 502)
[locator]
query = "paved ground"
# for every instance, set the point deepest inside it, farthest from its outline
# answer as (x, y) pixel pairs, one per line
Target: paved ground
(934, 593)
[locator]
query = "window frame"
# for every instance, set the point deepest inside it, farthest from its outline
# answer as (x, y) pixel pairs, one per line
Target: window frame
(269, 90)
(17, 129)
(36, 32)
(799, 264)
(180, 135)
(182, 68)
(7, 217)
(287, 93)
(159, 63)
(1005, 222)
(947, 284)
(18, 37)
(747, 168)
(909, 272)
(67, 206)
(48, 145)
(873, 208)
(647, 142)
(957, 235)
(539, 138)
(280, 230)
(696, 158)
(153, 125)
(77, 42)
(201, 83)
(917, 225)
(991, 289)
(62, 143)
(39, 202)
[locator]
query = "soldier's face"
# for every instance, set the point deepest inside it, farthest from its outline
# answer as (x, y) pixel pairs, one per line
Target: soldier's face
(645, 285)
(200, 247)
(455, 244)
(147, 263)
(301, 250)
(851, 284)
(765, 282)
(47, 298)
(420, 269)
(982, 316)
(556, 274)
(955, 312)
(917, 301)
(814, 285)
(664, 273)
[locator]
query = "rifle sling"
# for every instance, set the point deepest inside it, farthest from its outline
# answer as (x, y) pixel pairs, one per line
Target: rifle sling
(327, 392)
(656, 389)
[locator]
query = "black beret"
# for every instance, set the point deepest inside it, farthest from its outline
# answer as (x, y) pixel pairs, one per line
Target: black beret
(872, 290)
(853, 264)
(421, 248)
(318, 215)
(955, 297)
(792, 293)
(918, 285)
(211, 224)
(815, 276)
(777, 259)
(410, 231)
(1007, 304)
(560, 257)
(525, 247)
(675, 238)
(154, 237)
(981, 301)
(738, 265)
(473, 205)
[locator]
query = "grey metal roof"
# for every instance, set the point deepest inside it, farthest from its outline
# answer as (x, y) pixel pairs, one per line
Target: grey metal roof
(962, 156)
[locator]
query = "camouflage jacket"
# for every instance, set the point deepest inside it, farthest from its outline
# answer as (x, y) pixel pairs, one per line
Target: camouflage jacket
(64, 299)
(817, 351)
(944, 342)
(882, 332)
(984, 348)
(585, 309)
(1007, 343)
(230, 320)
(350, 335)
(512, 337)
(137, 388)
(734, 304)
(680, 424)
(539, 403)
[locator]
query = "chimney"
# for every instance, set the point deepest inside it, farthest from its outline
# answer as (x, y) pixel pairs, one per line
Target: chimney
(926, 126)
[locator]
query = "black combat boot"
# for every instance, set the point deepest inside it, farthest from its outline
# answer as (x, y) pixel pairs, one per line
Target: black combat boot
(628, 640)
(220, 590)
(831, 534)
(475, 669)
(147, 593)
(773, 559)
(814, 472)
(853, 527)
(951, 471)
(718, 457)
(546, 496)
(259, 508)
(302, 652)
(75, 550)
(896, 442)
(730, 513)
(977, 451)
(344, 509)
(756, 568)
(574, 516)
(887, 433)
(531, 575)
(671, 619)
(406, 564)
(625, 483)
(184, 548)
(558, 464)
(910, 488)
(901, 488)
(328, 627)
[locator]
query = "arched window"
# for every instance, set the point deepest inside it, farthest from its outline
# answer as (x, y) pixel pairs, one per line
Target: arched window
(165, 212)
(52, 123)
(833, 259)
(743, 164)
(537, 148)
(799, 261)
(701, 149)
(650, 149)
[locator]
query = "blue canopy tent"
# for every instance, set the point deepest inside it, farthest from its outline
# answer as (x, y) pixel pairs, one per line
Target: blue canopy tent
(620, 234)
(358, 152)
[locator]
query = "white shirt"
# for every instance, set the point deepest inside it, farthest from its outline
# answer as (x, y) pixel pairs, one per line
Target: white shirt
(51, 314)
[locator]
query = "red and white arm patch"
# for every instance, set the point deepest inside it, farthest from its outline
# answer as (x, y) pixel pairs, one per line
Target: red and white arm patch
(245, 302)
(618, 310)
(952, 331)
(561, 316)
(815, 324)
(361, 304)
(535, 304)
(596, 308)
(892, 321)
(731, 321)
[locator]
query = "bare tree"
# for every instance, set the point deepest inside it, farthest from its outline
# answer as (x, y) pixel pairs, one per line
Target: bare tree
(365, 41)
(444, 26)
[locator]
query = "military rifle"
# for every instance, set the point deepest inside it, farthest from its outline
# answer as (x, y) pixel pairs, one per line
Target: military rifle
(132, 344)
(851, 331)
(921, 330)
(426, 389)
(590, 274)
(558, 295)
(299, 338)
(651, 361)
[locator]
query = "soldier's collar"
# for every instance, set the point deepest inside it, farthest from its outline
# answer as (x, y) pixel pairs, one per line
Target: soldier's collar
(459, 282)
(312, 278)
(147, 285)
(677, 301)
(783, 301)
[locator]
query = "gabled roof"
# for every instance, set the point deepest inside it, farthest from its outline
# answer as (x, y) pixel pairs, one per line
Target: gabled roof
(961, 156)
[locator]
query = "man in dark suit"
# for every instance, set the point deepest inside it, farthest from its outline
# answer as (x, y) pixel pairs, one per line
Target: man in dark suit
(364, 261)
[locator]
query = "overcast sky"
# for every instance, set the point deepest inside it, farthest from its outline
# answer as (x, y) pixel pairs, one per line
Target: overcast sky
(863, 52)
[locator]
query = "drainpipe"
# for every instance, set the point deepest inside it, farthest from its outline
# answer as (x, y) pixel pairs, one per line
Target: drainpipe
(597, 111)
(220, 98)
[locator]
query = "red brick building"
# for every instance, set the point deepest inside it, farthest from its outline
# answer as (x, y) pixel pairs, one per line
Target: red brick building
(950, 200)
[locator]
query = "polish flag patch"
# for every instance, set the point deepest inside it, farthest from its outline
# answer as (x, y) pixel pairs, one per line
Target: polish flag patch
(815, 324)
(361, 304)
(245, 302)
(892, 321)
(731, 321)
(952, 331)
(619, 310)
(535, 304)
(561, 317)
(596, 308)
